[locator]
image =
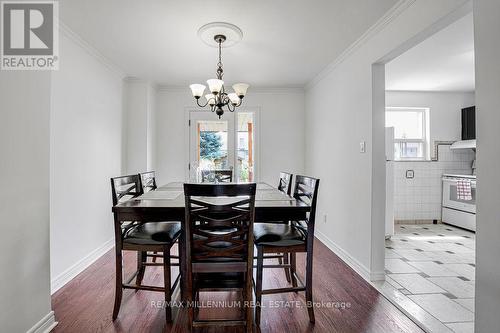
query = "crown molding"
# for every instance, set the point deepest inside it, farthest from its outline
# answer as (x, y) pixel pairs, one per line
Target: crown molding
(256, 90)
(389, 16)
(92, 51)
(432, 91)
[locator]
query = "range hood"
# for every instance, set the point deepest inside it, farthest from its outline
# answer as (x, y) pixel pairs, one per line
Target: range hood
(464, 144)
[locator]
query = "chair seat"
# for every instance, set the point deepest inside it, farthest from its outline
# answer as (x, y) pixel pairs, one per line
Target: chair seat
(274, 234)
(153, 233)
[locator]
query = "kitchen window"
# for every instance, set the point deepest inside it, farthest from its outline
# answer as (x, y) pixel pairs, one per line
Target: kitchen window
(411, 132)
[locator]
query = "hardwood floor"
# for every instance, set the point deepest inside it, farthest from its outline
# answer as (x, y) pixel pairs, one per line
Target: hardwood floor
(85, 304)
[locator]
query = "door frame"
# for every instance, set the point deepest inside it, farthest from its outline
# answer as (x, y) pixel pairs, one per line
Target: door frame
(254, 109)
(378, 187)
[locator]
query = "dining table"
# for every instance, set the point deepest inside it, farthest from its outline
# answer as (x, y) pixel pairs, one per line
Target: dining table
(167, 203)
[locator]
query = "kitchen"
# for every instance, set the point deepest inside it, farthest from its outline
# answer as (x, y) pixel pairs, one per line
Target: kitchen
(431, 180)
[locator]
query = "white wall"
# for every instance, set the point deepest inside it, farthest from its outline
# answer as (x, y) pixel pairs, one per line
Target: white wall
(86, 150)
(487, 53)
(24, 200)
(420, 198)
(445, 115)
(281, 131)
(139, 102)
(339, 115)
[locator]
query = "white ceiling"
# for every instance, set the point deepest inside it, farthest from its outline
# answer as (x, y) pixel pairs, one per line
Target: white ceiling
(285, 42)
(443, 62)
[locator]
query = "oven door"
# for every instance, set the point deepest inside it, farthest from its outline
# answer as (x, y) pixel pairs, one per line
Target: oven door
(450, 198)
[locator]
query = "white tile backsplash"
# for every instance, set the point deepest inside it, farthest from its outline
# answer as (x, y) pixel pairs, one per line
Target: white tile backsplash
(419, 198)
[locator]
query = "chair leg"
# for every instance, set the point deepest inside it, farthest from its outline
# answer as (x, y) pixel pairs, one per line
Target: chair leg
(154, 258)
(141, 258)
(286, 261)
(190, 307)
(196, 310)
(118, 282)
(258, 284)
(293, 268)
(167, 279)
(247, 301)
(309, 296)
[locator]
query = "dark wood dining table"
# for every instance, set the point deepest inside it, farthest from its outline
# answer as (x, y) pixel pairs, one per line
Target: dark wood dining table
(166, 203)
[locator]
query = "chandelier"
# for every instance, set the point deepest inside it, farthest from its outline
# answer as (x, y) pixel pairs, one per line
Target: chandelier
(218, 98)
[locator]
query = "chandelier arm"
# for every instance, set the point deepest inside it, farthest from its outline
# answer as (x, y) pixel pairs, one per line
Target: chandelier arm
(200, 105)
(229, 107)
(225, 99)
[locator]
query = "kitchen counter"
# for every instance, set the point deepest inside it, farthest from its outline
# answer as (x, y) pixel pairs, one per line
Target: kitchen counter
(459, 176)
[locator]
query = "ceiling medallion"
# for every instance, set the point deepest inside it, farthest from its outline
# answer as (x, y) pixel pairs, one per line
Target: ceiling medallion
(218, 34)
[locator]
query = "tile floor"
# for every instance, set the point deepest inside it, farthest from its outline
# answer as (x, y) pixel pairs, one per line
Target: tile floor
(430, 272)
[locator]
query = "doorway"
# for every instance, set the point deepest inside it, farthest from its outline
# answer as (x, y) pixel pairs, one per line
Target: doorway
(226, 144)
(429, 265)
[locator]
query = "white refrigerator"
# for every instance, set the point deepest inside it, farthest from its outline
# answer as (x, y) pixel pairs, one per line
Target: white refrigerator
(389, 182)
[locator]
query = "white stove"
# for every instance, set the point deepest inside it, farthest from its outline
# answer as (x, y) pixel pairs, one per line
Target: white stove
(457, 211)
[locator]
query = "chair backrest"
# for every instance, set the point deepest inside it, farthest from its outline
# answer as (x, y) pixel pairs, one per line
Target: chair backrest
(148, 181)
(125, 188)
(285, 183)
(218, 176)
(219, 227)
(306, 190)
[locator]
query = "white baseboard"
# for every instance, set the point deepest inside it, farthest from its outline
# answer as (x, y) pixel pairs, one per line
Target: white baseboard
(348, 259)
(377, 276)
(66, 276)
(45, 325)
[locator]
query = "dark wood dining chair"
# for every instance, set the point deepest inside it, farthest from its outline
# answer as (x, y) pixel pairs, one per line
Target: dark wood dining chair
(219, 246)
(293, 238)
(285, 182)
(143, 238)
(148, 181)
(285, 186)
(218, 176)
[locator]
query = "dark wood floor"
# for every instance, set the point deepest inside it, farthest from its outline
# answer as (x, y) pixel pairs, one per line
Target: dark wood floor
(85, 304)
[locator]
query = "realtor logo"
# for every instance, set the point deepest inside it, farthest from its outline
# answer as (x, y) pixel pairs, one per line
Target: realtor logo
(29, 38)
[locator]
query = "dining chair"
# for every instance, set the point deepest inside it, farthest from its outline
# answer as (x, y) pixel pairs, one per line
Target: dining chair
(285, 182)
(219, 176)
(219, 246)
(148, 181)
(142, 237)
(285, 186)
(293, 238)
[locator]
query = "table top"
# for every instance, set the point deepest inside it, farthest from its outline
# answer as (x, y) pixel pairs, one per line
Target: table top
(171, 196)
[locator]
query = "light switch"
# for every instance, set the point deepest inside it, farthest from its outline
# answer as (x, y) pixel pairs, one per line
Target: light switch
(362, 147)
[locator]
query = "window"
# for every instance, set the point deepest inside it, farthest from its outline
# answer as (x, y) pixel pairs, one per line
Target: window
(411, 132)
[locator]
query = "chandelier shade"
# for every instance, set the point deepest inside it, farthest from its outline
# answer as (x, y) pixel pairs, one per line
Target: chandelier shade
(210, 99)
(240, 89)
(197, 90)
(235, 100)
(218, 98)
(215, 86)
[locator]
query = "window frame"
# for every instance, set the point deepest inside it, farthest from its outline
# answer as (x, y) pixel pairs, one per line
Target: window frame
(425, 141)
